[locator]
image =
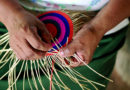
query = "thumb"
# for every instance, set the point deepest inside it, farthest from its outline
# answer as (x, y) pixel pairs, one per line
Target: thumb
(44, 33)
(68, 50)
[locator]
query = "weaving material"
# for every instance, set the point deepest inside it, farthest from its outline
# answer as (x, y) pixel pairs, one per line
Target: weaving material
(60, 27)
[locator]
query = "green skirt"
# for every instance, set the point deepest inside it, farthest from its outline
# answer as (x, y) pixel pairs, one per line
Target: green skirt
(103, 62)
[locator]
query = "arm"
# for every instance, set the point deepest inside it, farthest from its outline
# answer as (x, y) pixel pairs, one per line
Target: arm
(87, 39)
(111, 15)
(7, 8)
(23, 30)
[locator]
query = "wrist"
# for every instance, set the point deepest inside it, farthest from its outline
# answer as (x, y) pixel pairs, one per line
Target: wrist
(97, 30)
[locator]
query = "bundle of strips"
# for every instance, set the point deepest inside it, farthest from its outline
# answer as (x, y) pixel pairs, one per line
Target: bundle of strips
(33, 69)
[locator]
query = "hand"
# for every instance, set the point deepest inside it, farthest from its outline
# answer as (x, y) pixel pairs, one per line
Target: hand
(23, 30)
(84, 44)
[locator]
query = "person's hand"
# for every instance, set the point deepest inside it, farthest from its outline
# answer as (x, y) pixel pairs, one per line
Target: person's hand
(84, 44)
(24, 39)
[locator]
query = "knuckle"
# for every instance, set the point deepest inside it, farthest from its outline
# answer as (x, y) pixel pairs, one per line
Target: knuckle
(24, 57)
(29, 30)
(10, 44)
(17, 55)
(39, 55)
(25, 28)
(20, 58)
(30, 54)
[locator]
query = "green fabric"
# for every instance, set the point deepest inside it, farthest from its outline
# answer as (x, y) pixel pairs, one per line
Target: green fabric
(103, 62)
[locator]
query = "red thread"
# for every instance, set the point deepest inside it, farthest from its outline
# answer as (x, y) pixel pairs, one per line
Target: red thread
(51, 74)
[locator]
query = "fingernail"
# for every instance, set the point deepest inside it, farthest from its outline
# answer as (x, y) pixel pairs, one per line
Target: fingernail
(67, 51)
(64, 53)
(61, 53)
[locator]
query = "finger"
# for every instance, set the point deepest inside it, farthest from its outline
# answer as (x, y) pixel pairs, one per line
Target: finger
(38, 55)
(74, 62)
(68, 50)
(21, 53)
(30, 52)
(80, 55)
(43, 32)
(35, 41)
(17, 55)
(84, 56)
(18, 51)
